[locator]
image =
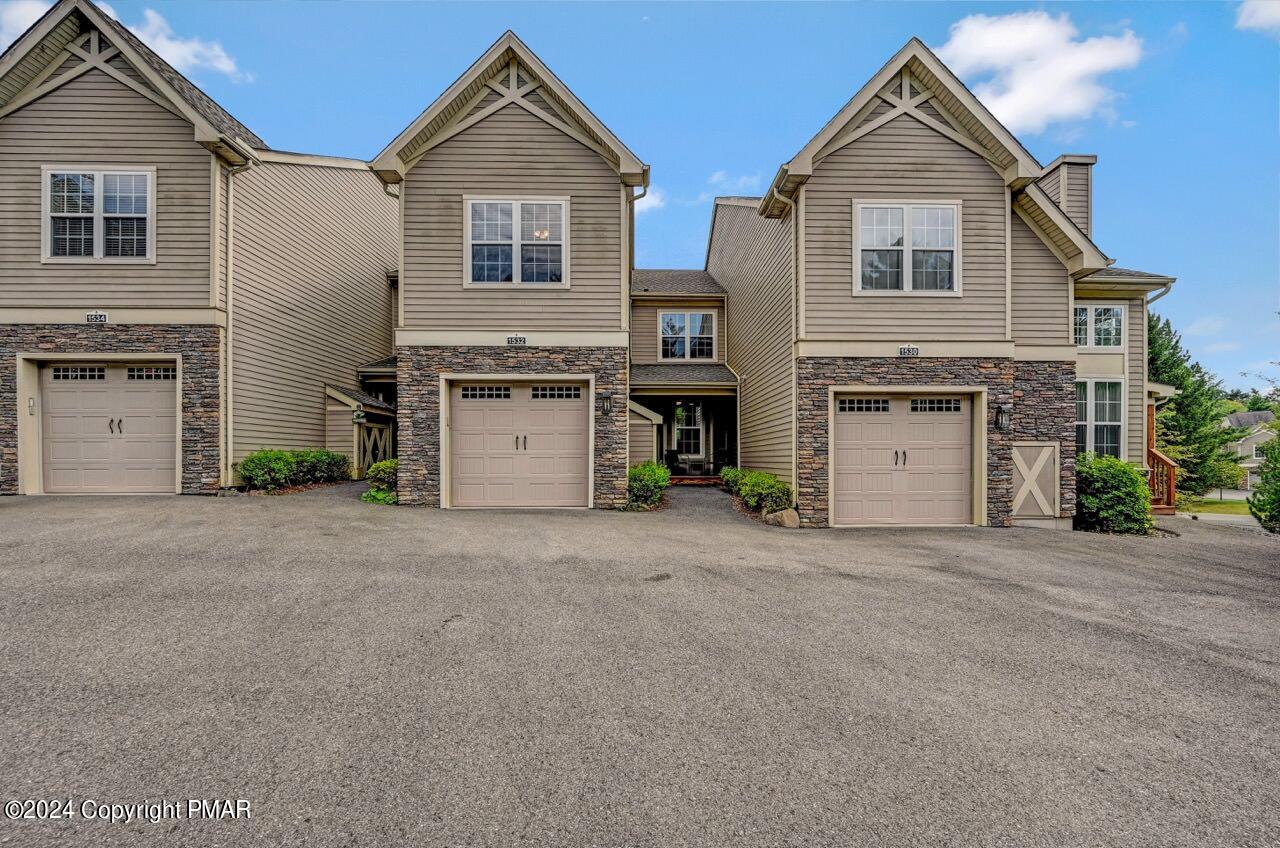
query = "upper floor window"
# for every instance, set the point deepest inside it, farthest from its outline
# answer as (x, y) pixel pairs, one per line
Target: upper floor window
(94, 214)
(907, 247)
(1257, 451)
(1099, 326)
(687, 335)
(517, 242)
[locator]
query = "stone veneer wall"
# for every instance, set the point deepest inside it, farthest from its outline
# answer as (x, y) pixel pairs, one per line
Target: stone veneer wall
(1042, 395)
(418, 371)
(201, 398)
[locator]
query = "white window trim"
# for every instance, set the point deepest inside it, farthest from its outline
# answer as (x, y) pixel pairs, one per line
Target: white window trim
(99, 229)
(515, 200)
(1257, 449)
(715, 347)
(1090, 411)
(701, 427)
(1091, 305)
(906, 290)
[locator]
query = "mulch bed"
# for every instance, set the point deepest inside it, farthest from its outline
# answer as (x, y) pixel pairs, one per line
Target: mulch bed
(293, 490)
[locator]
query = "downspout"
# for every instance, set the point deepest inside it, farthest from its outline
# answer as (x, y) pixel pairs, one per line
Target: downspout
(631, 214)
(229, 451)
(1163, 291)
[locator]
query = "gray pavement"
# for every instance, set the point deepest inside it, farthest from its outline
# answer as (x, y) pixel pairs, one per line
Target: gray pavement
(381, 676)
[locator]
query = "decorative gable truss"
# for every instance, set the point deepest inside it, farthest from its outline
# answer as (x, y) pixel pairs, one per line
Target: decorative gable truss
(509, 74)
(75, 37)
(915, 84)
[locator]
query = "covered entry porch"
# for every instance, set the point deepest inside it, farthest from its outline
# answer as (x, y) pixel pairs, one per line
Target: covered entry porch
(685, 417)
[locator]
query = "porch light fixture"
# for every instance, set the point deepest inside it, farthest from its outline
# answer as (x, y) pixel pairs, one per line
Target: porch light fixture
(606, 403)
(1004, 417)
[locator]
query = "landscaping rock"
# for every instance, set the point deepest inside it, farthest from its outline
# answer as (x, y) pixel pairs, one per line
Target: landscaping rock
(783, 518)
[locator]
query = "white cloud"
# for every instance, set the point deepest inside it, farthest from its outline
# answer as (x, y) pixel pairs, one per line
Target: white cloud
(655, 199)
(724, 181)
(1209, 325)
(16, 16)
(186, 54)
(1222, 347)
(1039, 71)
(1259, 14)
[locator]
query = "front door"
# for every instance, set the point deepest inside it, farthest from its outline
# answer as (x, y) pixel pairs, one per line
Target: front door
(901, 459)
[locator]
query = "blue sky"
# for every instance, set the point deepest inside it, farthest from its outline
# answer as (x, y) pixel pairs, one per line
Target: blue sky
(1178, 100)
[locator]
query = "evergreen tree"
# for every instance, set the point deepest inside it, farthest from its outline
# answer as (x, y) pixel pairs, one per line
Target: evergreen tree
(1189, 426)
(1257, 403)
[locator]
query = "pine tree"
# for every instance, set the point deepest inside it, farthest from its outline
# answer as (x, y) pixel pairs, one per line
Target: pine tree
(1189, 427)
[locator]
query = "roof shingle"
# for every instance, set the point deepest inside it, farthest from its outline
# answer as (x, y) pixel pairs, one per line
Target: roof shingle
(710, 372)
(1250, 419)
(673, 281)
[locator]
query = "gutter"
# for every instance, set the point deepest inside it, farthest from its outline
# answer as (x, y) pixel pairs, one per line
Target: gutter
(1161, 293)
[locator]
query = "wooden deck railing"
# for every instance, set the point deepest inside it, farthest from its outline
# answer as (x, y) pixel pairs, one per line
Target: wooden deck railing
(1164, 482)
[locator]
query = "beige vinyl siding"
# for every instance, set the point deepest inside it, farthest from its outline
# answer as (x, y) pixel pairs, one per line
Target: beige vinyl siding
(751, 257)
(1041, 290)
(1052, 185)
(644, 327)
(903, 160)
(310, 295)
(95, 120)
(511, 153)
(340, 430)
(642, 439)
(1077, 202)
(1136, 380)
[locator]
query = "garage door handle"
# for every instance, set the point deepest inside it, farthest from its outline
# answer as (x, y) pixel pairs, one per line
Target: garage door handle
(904, 456)
(517, 438)
(120, 425)
(895, 459)
(111, 424)
(525, 446)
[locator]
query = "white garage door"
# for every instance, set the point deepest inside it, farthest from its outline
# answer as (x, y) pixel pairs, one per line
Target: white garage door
(518, 444)
(109, 428)
(899, 459)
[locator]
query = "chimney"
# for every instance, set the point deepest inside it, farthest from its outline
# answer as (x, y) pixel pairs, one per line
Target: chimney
(1068, 180)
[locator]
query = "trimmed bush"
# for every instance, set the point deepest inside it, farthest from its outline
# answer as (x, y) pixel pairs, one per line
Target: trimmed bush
(645, 484)
(764, 492)
(1112, 496)
(382, 482)
(730, 477)
(1264, 503)
(276, 469)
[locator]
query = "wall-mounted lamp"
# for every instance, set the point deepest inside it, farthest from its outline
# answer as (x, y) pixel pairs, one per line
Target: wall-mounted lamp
(606, 403)
(1004, 417)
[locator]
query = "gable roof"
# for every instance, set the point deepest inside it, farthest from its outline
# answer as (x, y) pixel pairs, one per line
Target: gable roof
(455, 106)
(22, 71)
(1249, 419)
(932, 78)
(651, 281)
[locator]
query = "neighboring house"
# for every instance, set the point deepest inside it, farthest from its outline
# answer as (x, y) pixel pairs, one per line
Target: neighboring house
(1258, 427)
(173, 293)
(923, 327)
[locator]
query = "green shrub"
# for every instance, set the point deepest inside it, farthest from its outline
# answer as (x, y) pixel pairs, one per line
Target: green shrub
(1111, 496)
(1264, 503)
(380, 496)
(382, 482)
(764, 492)
(276, 469)
(730, 477)
(645, 483)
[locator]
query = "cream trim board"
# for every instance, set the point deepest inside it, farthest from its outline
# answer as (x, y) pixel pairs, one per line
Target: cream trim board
(687, 359)
(978, 395)
(644, 412)
(1045, 353)
(907, 249)
(1093, 305)
(889, 348)
(507, 377)
(1091, 410)
(1008, 264)
(516, 201)
(498, 338)
(285, 157)
(126, 315)
(29, 397)
(98, 215)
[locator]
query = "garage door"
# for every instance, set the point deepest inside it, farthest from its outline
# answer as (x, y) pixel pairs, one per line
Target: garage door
(518, 444)
(902, 460)
(109, 428)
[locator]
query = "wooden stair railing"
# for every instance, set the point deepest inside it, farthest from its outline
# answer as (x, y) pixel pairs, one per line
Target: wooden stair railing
(1163, 482)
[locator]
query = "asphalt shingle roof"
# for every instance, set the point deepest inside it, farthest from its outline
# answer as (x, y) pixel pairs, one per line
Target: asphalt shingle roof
(384, 362)
(1250, 419)
(684, 373)
(1126, 272)
(673, 281)
(363, 398)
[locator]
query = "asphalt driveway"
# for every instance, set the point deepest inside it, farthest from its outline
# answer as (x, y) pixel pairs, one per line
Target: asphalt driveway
(381, 676)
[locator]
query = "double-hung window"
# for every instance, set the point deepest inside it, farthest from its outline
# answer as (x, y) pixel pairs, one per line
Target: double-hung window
(687, 335)
(1099, 326)
(93, 214)
(1099, 411)
(517, 242)
(907, 247)
(689, 429)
